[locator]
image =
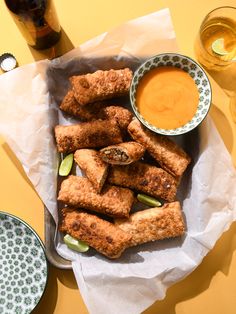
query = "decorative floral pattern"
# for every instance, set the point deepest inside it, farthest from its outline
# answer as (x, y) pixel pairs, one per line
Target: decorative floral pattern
(195, 71)
(23, 266)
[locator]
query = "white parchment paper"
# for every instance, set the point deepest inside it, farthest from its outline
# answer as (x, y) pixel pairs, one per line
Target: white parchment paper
(29, 98)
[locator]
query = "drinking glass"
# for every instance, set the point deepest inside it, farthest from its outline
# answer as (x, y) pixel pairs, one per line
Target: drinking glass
(215, 46)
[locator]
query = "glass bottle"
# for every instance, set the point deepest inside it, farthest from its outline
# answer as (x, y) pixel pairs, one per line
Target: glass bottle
(37, 20)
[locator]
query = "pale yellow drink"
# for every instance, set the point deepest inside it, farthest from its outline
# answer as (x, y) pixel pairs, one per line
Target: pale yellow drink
(215, 46)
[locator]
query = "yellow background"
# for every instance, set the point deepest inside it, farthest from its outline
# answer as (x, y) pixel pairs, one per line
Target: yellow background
(211, 288)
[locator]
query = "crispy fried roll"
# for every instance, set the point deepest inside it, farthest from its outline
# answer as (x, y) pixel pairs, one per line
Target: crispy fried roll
(79, 192)
(92, 134)
(144, 178)
(101, 85)
(98, 110)
(85, 113)
(122, 154)
(170, 156)
(122, 115)
(100, 234)
(95, 168)
(154, 223)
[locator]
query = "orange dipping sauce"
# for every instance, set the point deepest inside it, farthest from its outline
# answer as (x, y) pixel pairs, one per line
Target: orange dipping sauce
(167, 97)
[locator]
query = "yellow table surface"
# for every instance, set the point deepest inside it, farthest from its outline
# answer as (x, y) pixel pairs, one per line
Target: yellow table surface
(211, 288)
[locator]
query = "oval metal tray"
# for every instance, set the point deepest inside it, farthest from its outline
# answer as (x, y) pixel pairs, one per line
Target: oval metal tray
(53, 257)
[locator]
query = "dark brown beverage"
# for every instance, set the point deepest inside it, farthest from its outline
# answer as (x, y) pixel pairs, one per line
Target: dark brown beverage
(37, 21)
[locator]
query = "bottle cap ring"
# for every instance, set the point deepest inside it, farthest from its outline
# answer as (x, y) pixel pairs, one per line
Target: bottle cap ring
(7, 62)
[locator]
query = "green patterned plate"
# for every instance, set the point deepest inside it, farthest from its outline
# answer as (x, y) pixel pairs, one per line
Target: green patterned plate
(194, 70)
(23, 266)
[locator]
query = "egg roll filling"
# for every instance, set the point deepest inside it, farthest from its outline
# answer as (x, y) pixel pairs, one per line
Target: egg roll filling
(123, 153)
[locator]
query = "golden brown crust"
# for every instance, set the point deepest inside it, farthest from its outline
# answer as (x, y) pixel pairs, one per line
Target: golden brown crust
(94, 111)
(85, 113)
(123, 153)
(144, 178)
(170, 156)
(79, 192)
(95, 168)
(100, 234)
(101, 85)
(92, 134)
(122, 115)
(154, 223)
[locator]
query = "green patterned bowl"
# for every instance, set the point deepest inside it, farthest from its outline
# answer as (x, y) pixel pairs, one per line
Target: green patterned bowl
(194, 70)
(23, 266)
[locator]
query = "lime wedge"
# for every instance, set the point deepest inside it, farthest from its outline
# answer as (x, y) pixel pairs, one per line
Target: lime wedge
(66, 165)
(218, 47)
(148, 200)
(75, 244)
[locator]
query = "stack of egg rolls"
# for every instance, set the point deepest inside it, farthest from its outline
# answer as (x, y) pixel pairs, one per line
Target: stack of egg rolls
(114, 169)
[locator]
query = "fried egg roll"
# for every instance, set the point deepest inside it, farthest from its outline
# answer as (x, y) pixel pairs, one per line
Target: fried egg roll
(170, 157)
(101, 85)
(122, 115)
(154, 224)
(95, 168)
(122, 154)
(100, 234)
(97, 110)
(145, 178)
(85, 113)
(79, 192)
(92, 134)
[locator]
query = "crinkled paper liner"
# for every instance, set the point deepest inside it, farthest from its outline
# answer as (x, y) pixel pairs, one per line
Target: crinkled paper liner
(29, 98)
